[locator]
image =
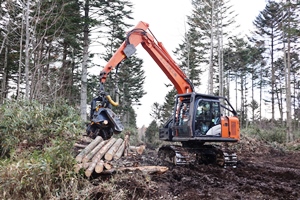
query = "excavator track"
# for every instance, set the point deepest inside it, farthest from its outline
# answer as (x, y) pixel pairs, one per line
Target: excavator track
(205, 154)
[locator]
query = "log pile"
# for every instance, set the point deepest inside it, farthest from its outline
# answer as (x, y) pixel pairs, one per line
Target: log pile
(102, 156)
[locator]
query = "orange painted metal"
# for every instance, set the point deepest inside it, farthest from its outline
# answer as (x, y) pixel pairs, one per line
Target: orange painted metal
(141, 35)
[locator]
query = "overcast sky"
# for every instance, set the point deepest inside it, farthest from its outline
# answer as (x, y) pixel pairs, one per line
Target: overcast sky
(167, 19)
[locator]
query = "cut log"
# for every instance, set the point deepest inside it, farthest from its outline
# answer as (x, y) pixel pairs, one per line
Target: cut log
(100, 151)
(99, 166)
(138, 149)
(126, 139)
(107, 165)
(88, 149)
(94, 151)
(90, 169)
(145, 169)
(113, 149)
(81, 166)
(103, 150)
(120, 151)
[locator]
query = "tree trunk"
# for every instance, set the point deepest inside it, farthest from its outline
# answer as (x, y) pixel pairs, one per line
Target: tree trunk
(27, 51)
(288, 85)
(4, 76)
(83, 94)
(120, 151)
(211, 57)
(272, 79)
(260, 93)
(20, 61)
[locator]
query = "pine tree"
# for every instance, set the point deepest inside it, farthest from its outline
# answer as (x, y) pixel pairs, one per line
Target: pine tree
(211, 18)
(267, 30)
(190, 54)
(151, 133)
(291, 32)
(168, 105)
(9, 46)
(129, 77)
(156, 112)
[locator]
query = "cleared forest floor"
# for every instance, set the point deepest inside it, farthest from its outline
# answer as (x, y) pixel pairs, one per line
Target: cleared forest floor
(263, 172)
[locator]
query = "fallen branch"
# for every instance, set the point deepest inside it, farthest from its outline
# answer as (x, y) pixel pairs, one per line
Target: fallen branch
(145, 169)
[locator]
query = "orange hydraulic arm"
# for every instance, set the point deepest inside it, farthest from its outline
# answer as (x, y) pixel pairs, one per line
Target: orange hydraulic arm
(156, 50)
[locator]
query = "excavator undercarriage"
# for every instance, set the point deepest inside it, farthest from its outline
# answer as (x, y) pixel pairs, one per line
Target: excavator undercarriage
(203, 154)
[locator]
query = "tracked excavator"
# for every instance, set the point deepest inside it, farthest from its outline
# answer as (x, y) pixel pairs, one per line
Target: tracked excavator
(197, 121)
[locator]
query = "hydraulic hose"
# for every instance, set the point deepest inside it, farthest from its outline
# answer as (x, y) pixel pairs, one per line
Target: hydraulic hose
(112, 101)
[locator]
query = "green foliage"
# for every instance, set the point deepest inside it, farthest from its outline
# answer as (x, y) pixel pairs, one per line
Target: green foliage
(129, 76)
(44, 174)
(151, 135)
(274, 135)
(168, 105)
(41, 167)
(191, 55)
(34, 124)
(269, 132)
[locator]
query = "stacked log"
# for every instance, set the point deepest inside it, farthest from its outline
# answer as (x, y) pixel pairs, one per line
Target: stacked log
(96, 155)
(122, 148)
(112, 151)
(99, 155)
(87, 149)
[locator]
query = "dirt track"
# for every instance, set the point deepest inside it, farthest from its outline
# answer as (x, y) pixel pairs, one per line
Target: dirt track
(262, 172)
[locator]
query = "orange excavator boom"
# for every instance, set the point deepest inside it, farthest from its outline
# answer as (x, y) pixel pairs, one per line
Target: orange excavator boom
(142, 35)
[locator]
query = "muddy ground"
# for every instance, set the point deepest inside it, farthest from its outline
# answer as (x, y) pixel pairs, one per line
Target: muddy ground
(263, 172)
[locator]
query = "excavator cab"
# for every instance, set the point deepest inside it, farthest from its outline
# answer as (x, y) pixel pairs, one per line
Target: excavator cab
(198, 118)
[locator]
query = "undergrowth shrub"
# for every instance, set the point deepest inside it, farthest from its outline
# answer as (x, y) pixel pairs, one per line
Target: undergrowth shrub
(35, 125)
(36, 152)
(273, 134)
